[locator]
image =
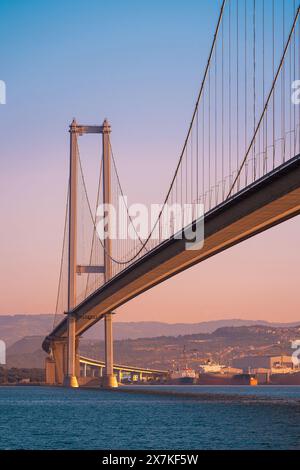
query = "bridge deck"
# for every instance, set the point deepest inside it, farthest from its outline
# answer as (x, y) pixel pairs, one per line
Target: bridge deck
(264, 204)
(96, 363)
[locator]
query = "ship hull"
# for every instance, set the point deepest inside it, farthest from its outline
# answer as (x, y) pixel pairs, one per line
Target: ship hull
(183, 381)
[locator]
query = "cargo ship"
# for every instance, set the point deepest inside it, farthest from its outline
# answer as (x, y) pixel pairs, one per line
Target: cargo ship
(227, 379)
(292, 378)
(245, 379)
(183, 375)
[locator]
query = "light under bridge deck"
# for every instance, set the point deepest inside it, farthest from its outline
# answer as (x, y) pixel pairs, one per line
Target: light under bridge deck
(269, 201)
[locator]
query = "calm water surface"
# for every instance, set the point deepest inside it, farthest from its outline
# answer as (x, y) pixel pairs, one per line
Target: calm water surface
(210, 418)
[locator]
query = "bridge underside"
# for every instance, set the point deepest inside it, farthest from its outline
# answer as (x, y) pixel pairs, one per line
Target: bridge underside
(92, 371)
(264, 204)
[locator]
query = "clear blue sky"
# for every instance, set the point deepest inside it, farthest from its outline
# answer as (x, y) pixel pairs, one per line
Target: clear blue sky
(137, 62)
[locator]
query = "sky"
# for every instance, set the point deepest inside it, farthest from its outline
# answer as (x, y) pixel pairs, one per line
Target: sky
(139, 64)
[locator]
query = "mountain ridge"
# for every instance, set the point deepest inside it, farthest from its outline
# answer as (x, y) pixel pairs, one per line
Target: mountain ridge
(224, 344)
(15, 327)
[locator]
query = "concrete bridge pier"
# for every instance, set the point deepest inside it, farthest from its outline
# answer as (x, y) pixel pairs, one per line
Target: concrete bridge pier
(50, 371)
(56, 364)
(109, 379)
(70, 379)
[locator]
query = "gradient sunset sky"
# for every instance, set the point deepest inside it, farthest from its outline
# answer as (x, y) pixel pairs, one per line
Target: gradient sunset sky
(138, 63)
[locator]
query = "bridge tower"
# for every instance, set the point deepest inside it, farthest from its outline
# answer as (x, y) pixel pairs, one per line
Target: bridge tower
(70, 379)
(109, 379)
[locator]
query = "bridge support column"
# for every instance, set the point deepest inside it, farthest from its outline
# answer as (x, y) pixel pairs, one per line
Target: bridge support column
(70, 379)
(56, 363)
(109, 379)
(77, 358)
(50, 371)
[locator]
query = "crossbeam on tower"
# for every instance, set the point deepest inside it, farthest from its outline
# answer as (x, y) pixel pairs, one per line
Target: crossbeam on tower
(90, 269)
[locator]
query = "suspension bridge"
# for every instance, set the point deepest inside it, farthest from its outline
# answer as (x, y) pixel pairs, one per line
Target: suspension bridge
(240, 160)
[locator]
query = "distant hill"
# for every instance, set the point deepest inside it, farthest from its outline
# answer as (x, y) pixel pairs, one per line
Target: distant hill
(147, 329)
(222, 345)
(27, 352)
(15, 327)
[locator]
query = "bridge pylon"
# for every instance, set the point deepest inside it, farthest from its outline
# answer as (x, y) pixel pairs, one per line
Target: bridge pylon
(109, 379)
(70, 376)
(70, 379)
